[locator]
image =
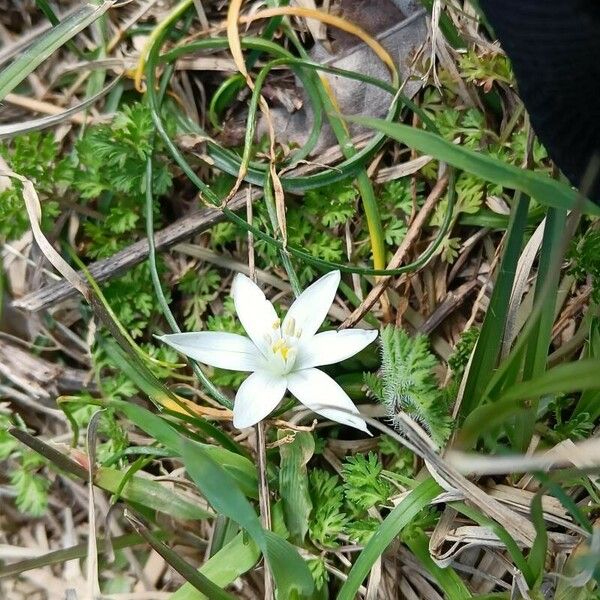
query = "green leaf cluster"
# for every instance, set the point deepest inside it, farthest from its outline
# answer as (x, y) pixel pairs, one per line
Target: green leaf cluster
(585, 257)
(339, 506)
(407, 383)
(35, 156)
(30, 487)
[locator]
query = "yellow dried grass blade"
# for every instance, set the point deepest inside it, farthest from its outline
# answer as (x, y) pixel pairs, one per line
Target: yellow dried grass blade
(338, 22)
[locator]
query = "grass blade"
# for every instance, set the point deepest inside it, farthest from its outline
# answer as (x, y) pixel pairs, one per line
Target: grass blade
(49, 42)
(447, 578)
(289, 570)
(233, 560)
(293, 482)
(393, 524)
(490, 339)
(541, 187)
(149, 493)
(74, 552)
(191, 575)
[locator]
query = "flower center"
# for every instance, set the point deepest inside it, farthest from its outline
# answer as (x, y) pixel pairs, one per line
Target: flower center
(282, 345)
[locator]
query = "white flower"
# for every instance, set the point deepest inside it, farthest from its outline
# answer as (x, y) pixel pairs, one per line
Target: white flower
(281, 355)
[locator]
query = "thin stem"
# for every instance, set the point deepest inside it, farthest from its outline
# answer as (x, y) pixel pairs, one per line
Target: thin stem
(261, 444)
(160, 296)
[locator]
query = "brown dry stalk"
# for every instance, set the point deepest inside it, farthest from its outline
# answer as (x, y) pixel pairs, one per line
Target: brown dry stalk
(412, 235)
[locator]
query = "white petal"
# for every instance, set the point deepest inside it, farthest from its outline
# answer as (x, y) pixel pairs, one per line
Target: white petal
(255, 312)
(324, 396)
(218, 349)
(257, 398)
(333, 346)
(310, 308)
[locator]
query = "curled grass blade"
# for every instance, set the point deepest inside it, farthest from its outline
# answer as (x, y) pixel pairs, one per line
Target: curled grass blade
(511, 546)
(447, 578)
(336, 174)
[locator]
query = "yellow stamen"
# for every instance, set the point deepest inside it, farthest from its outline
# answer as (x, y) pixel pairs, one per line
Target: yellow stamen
(280, 347)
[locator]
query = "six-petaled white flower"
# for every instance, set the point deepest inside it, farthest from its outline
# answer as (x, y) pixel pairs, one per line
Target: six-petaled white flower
(282, 355)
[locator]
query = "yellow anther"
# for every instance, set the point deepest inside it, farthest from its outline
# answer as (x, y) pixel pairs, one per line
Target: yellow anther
(280, 347)
(276, 324)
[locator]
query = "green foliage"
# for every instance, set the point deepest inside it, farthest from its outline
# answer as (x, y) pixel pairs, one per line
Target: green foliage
(449, 249)
(340, 510)
(112, 158)
(469, 126)
(108, 167)
(462, 351)
(567, 426)
(585, 257)
(31, 487)
(200, 289)
(361, 530)
(407, 383)
(485, 68)
(328, 518)
(8, 444)
(319, 572)
(333, 204)
(35, 156)
(363, 484)
(132, 298)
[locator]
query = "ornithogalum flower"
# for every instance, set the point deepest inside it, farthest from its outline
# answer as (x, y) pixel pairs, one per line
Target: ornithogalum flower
(281, 355)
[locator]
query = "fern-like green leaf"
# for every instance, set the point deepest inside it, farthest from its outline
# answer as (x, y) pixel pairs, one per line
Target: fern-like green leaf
(408, 383)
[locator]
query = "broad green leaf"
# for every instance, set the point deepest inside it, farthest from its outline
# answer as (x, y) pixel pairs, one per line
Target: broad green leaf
(151, 494)
(233, 560)
(289, 570)
(541, 187)
(48, 43)
(138, 490)
(392, 525)
(239, 467)
(293, 481)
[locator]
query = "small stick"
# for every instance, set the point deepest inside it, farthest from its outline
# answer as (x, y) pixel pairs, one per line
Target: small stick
(411, 236)
(261, 442)
(107, 268)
